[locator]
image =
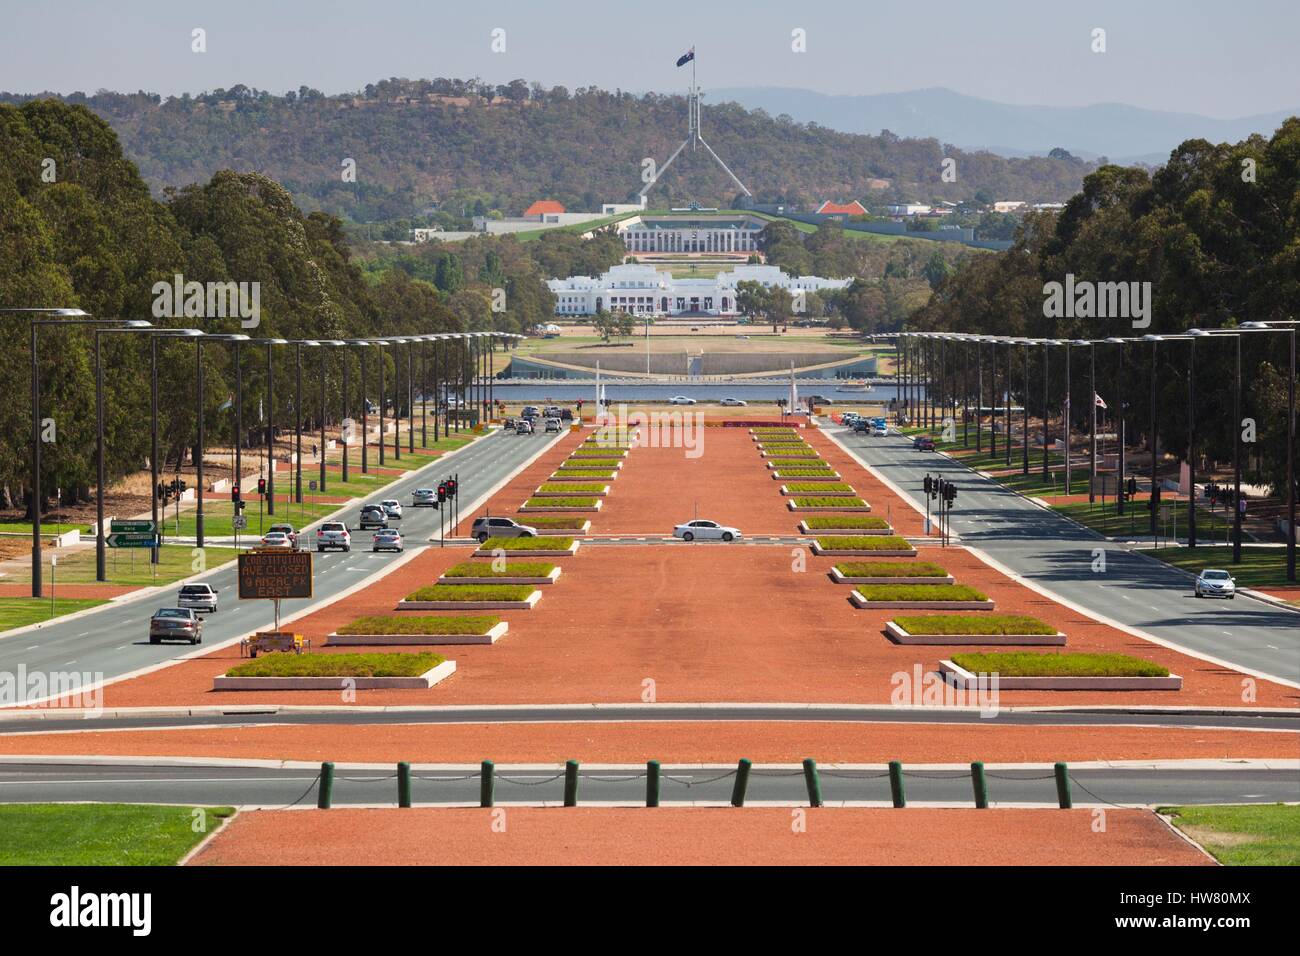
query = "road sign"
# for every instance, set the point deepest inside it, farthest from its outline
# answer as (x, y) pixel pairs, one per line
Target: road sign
(239, 522)
(131, 539)
(311, 485)
(275, 574)
(132, 527)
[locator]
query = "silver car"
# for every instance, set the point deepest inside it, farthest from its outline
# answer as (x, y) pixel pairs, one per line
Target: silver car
(198, 597)
(1213, 582)
(388, 539)
(703, 530)
(492, 527)
(424, 498)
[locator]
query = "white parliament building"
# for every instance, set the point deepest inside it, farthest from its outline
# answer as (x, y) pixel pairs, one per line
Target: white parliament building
(645, 290)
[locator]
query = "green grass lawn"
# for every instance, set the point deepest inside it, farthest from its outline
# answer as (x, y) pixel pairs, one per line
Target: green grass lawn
(338, 665)
(1029, 664)
(1136, 519)
(21, 611)
(1259, 567)
(217, 515)
(420, 624)
(100, 834)
(1253, 835)
(129, 566)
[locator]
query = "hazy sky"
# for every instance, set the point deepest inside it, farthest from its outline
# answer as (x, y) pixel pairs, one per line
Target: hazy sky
(1219, 59)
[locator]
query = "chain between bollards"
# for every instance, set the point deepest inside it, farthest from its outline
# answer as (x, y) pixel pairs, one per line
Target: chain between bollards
(1063, 786)
(652, 783)
(742, 782)
(325, 796)
(404, 784)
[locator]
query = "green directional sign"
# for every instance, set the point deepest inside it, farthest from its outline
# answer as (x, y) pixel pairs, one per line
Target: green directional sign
(132, 527)
(130, 539)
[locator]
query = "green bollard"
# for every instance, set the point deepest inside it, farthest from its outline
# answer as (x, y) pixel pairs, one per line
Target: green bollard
(742, 782)
(404, 784)
(652, 783)
(571, 783)
(813, 781)
(486, 784)
(1063, 786)
(325, 796)
(980, 784)
(896, 783)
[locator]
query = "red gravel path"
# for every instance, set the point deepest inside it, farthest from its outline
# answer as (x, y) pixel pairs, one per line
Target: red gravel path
(672, 836)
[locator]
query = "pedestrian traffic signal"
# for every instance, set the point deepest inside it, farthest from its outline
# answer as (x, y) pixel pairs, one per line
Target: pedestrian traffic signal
(234, 494)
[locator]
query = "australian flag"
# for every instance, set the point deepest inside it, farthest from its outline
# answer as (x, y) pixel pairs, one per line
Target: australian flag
(686, 57)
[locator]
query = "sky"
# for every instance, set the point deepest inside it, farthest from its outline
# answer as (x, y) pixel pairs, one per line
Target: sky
(1217, 59)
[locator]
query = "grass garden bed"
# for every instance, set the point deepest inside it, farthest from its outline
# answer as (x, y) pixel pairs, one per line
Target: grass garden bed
(827, 503)
(542, 546)
(1025, 670)
(789, 454)
(582, 474)
(408, 629)
(889, 572)
(848, 524)
(805, 474)
(576, 489)
(973, 629)
(561, 504)
(953, 596)
(820, 489)
(476, 597)
(513, 572)
(555, 523)
(596, 451)
(337, 671)
(847, 546)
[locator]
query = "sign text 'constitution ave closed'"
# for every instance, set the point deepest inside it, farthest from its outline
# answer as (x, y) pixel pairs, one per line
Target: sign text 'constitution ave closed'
(275, 574)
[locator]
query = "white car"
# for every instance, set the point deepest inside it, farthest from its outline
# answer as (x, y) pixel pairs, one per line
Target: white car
(424, 498)
(198, 597)
(879, 431)
(392, 508)
(333, 535)
(1213, 582)
(681, 400)
(733, 402)
(276, 539)
(703, 530)
(388, 539)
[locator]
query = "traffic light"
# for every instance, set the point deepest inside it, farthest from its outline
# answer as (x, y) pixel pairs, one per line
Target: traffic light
(451, 487)
(161, 491)
(929, 484)
(234, 494)
(261, 486)
(950, 493)
(442, 491)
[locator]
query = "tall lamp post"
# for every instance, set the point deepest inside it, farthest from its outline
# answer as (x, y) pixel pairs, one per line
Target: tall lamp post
(1121, 429)
(199, 538)
(154, 472)
(132, 326)
(270, 425)
(1286, 327)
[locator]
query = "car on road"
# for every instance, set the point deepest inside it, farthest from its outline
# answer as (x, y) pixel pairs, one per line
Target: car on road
(424, 498)
(1214, 582)
(879, 431)
(387, 539)
(277, 539)
(287, 531)
(704, 530)
(819, 400)
(681, 400)
(198, 597)
(923, 443)
(531, 411)
(524, 426)
(552, 411)
(495, 527)
(372, 516)
(861, 426)
(733, 402)
(392, 508)
(552, 425)
(175, 624)
(333, 535)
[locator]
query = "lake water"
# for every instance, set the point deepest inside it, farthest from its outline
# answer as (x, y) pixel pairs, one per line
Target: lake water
(559, 391)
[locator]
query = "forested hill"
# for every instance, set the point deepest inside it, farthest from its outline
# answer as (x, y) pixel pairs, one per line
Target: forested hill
(501, 147)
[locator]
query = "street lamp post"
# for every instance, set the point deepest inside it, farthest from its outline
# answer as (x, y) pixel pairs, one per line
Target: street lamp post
(1065, 418)
(1047, 433)
(1193, 335)
(1121, 423)
(1092, 431)
(1152, 444)
(979, 396)
(1287, 327)
(199, 537)
(270, 426)
(154, 471)
(1024, 418)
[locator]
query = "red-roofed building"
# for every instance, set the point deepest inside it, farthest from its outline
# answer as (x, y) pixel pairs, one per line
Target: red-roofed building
(541, 208)
(829, 208)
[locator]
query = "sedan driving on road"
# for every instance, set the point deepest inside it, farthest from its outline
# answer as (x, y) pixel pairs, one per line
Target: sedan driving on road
(287, 531)
(387, 539)
(276, 539)
(175, 624)
(198, 597)
(703, 530)
(424, 498)
(333, 535)
(1213, 582)
(392, 508)
(733, 402)
(681, 400)
(489, 527)
(923, 443)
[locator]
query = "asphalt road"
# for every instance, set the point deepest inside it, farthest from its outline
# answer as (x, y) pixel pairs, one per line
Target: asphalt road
(1058, 554)
(1081, 716)
(277, 787)
(114, 640)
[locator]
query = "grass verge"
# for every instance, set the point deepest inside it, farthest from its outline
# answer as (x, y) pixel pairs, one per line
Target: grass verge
(1251, 835)
(1027, 664)
(100, 834)
(890, 569)
(973, 624)
(420, 624)
(337, 665)
(21, 611)
(540, 543)
(822, 501)
(560, 502)
(472, 592)
(864, 542)
(920, 592)
(513, 569)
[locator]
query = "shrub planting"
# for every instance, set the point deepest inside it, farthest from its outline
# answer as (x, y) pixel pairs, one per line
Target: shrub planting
(539, 543)
(384, 624)
(814, 487)
(513, 569)
(472, 592)
(973, 624)
(874, 542)
(821, 501)
(920, 592)
(337, 665)
(894, 569)
(849, 522)
(1026, 664)
(571, 486)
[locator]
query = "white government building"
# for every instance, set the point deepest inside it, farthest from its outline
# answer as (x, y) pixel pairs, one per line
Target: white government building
(645, 290)
(693, 233)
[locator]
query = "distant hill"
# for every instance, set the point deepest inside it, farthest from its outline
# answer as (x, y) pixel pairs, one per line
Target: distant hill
(1123, 133)
(481, 147)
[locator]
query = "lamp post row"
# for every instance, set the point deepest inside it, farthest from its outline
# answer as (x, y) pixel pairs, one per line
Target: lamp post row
(478, 374)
